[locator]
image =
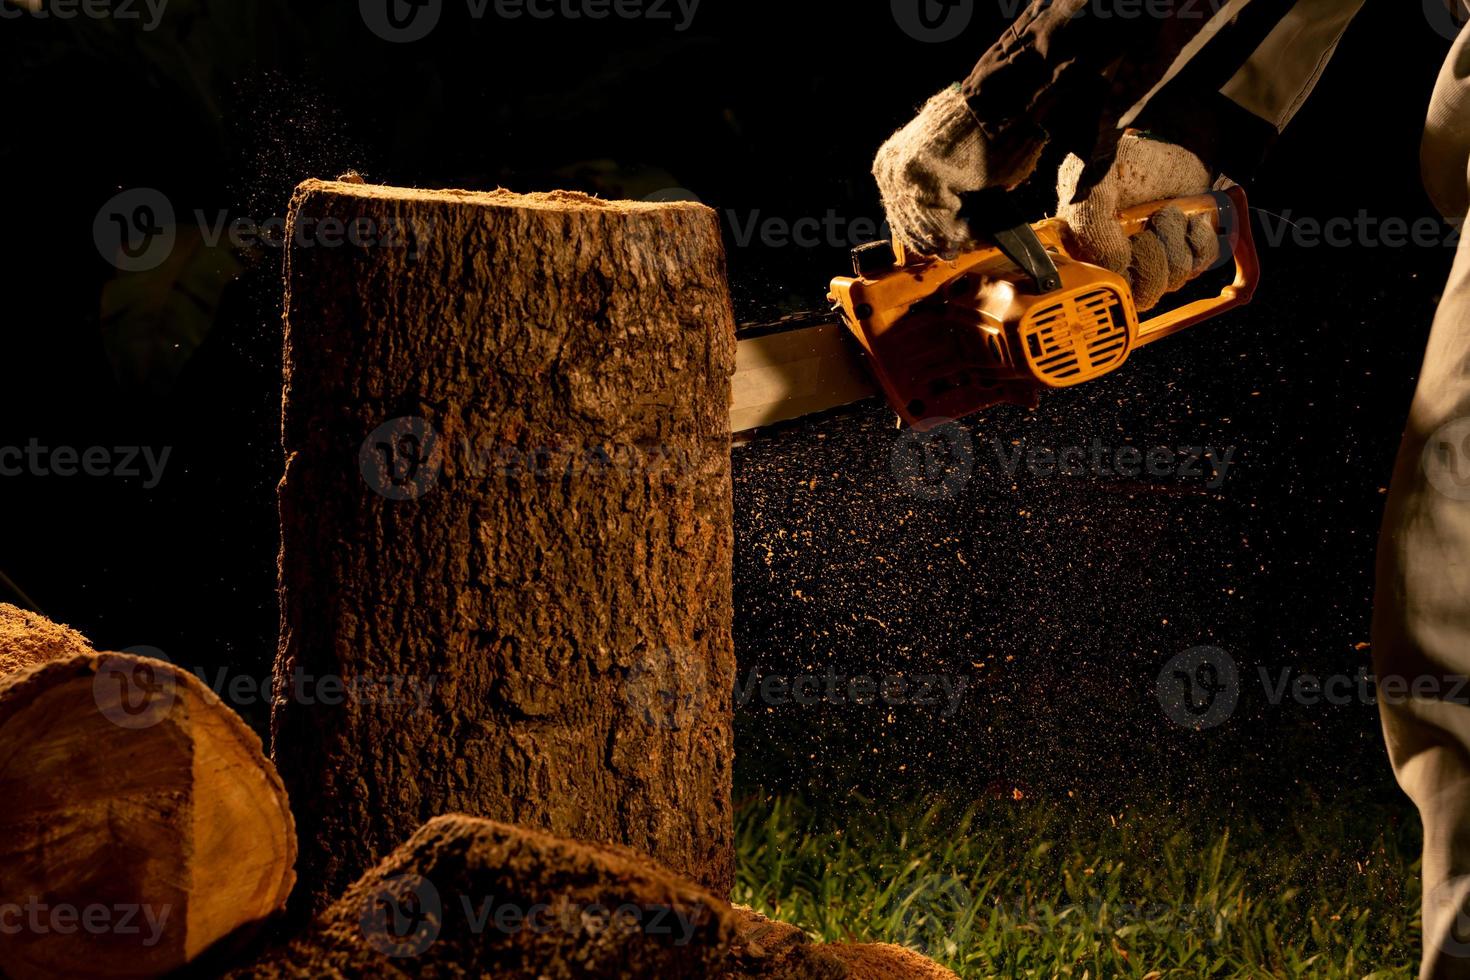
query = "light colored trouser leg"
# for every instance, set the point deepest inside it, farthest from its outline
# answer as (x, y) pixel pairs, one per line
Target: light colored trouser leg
(1421, 629)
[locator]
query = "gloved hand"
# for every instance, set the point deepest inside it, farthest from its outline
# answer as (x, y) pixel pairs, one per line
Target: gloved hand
(924, 168)
(1174, 249)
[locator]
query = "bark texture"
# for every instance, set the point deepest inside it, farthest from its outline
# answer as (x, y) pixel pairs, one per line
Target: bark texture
(141, 824)
(506, 525)
(473, 898)
(466, 897)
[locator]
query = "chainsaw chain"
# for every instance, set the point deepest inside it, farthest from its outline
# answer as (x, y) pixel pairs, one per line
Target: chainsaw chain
(788, 322)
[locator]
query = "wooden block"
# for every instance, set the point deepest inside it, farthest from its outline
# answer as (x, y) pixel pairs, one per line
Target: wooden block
(140, 822)
(507, 481)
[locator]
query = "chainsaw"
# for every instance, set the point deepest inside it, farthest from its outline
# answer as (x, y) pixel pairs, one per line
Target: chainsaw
(941, 338)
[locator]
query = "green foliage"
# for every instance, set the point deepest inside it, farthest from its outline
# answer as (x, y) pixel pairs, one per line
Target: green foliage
(1046, 888)
(153, 321)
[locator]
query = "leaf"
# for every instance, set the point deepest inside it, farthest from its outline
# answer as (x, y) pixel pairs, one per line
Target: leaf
(153, 321)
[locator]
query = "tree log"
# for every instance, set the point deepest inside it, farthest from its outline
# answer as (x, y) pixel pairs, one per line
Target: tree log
(506, 524)
(140, 825)
(472, 898)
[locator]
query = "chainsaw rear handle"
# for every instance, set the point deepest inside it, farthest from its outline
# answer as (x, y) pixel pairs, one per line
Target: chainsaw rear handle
(1230, 216)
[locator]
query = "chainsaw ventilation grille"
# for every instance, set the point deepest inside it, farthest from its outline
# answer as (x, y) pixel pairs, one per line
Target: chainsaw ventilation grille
(1076, 338)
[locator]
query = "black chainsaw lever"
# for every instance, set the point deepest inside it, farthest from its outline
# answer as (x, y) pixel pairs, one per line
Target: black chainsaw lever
(994, 215)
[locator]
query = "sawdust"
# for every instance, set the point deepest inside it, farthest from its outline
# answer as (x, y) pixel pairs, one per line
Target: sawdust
(769, 950)
(457, 866)
(884, 961)
(27, 638)
(537, 200)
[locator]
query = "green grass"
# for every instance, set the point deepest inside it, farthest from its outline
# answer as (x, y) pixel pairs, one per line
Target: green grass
(1042, 889)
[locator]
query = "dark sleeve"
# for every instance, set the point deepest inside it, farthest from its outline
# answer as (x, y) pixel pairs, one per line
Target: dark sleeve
(1063, 72)
(1193, 111)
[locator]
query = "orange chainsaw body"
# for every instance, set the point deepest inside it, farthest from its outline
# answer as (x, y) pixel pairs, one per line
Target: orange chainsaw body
(948, 337)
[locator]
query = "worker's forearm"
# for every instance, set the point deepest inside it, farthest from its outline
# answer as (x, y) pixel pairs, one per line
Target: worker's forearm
(1061, 70)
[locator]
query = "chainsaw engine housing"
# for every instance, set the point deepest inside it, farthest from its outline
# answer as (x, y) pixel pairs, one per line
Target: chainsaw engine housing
(947, 338)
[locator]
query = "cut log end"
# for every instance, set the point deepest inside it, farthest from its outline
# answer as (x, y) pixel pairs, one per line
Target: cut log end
(143, 824)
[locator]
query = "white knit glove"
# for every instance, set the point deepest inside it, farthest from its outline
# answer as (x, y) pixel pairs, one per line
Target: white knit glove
(924, 168)
(1174, 249)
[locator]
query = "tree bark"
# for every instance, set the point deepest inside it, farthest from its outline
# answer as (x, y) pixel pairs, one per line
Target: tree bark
(473, 898)
(140, 824)
(506, 524)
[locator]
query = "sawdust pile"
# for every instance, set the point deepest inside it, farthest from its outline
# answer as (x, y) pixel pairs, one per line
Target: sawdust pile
(27, 639)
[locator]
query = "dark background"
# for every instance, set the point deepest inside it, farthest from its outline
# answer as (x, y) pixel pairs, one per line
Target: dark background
(1070, 593)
